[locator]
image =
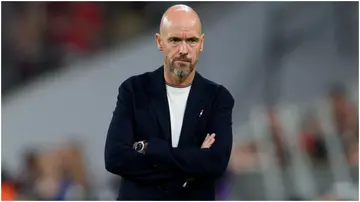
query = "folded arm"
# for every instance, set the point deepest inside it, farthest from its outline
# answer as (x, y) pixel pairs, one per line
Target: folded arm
(120, 157)
(206, 162)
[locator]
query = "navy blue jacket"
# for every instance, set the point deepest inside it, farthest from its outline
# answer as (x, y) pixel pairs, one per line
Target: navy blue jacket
(142, 113)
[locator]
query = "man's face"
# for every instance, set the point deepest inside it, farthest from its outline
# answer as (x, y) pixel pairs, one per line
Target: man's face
(181, 44)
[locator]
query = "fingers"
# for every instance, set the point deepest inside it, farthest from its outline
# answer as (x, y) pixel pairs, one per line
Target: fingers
(209, 140)
(212, 140)
(205, 144)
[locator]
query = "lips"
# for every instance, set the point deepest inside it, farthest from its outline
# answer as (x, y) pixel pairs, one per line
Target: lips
(183, 60)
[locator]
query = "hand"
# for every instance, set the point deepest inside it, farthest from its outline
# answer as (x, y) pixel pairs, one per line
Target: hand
(209, 140)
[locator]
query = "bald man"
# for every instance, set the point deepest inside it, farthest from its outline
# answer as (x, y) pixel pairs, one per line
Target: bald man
(170, 136)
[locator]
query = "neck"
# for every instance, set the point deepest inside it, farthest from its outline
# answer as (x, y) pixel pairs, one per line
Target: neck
(172, 80)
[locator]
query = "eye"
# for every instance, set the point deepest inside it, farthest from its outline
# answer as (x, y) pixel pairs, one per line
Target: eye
(174, 40)
(193, 40)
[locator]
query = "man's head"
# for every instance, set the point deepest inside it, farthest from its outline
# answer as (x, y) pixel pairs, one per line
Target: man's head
(181, 40)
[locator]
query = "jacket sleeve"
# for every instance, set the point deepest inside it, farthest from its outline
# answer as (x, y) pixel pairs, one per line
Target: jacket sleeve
(120, 158)
(198, 162)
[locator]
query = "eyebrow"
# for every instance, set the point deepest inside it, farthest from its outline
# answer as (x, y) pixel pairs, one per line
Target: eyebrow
(194, 38)
(179, 38)
(173, 38)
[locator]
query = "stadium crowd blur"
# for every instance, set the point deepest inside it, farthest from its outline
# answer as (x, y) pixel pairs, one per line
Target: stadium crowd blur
(45, 36)
(38, 37)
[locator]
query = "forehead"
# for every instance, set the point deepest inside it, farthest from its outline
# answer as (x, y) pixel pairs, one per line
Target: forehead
(190, 28)
(183, 33)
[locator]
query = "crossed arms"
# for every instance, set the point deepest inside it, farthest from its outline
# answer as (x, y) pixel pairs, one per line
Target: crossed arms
(208, 161)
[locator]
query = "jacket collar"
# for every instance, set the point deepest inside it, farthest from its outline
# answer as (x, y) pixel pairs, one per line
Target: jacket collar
(160, 105)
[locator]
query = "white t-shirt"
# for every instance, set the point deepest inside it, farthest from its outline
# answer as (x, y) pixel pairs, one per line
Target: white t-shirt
(177, 98)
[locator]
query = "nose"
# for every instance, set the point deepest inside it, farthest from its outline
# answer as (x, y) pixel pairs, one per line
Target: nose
(183, 49)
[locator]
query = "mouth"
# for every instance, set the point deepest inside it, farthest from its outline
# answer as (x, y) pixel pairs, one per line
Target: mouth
(182, 61)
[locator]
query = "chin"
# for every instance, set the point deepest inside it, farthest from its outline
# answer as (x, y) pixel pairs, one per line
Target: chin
(184, 67)
(180, 72)
(185, 70)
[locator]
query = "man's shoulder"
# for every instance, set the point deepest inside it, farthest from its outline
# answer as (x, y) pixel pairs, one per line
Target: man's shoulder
(209, 83)
(219, 88)
(142, 79)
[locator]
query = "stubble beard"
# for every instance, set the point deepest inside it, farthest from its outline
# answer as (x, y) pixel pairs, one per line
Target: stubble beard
(180, 73)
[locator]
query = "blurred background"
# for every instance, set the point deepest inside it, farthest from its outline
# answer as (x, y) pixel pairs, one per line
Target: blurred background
(292, 68)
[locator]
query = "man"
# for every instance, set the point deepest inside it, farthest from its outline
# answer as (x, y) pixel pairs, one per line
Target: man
(161, 138)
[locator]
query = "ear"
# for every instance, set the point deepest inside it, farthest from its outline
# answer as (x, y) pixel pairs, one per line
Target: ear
(158, 41)
(202, 42)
